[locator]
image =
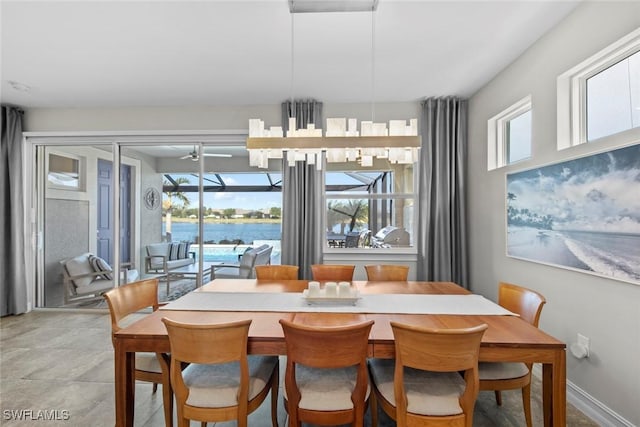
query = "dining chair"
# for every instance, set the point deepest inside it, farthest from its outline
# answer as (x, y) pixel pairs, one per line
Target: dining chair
(221, 382)
(387, 272)
(332, 272)
(123, 302)
(276, 272)
(326, 380)
(498, 376)
(424, 385)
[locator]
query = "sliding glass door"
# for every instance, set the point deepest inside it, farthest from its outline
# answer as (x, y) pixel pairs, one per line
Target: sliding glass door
(197, 203)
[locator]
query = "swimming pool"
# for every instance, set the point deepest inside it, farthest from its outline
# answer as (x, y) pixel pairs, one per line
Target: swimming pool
(230, 253)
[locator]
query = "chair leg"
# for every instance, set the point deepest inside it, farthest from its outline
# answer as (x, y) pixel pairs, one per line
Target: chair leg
(275, 383)
(373, 404)
(498, 397)
(155, 388)
(167, 403)
(203, 424)
(526, 403)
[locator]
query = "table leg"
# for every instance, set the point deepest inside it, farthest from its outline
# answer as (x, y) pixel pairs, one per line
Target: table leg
(124, 385)
(554, 390)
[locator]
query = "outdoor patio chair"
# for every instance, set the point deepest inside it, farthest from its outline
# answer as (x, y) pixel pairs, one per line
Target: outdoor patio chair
(246, 269)
(87, 277)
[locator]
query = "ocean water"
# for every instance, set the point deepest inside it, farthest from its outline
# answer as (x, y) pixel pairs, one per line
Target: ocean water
(616, 255)
(247, 232)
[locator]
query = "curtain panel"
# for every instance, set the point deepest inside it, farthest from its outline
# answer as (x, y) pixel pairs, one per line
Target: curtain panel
(442, 227)
(305, 111)
(302, 195)
(13, 289)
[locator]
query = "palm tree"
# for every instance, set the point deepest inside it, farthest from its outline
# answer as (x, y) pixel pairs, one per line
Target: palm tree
(169, 203)
(355, 210)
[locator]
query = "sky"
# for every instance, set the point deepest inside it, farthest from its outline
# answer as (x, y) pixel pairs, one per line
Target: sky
(225, 200)
(593, 193)
(255, 200)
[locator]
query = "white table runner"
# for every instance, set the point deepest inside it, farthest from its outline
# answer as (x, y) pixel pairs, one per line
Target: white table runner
(370, 303)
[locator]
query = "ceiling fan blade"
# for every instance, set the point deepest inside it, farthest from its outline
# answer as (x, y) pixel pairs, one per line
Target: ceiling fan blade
(216, 155)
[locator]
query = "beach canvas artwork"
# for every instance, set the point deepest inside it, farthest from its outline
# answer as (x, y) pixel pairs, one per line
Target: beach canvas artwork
(582, 214)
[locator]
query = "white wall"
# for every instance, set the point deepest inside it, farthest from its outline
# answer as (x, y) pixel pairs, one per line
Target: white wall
(607, 311)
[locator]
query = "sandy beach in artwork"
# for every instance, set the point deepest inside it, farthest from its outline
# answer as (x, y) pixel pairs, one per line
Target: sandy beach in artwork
(545, 246)
(610, 254)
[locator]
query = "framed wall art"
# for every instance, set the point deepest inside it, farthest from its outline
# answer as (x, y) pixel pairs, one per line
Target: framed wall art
(582, 214)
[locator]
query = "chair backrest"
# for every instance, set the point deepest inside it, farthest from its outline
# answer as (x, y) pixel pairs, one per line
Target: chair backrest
(130, 298)
(437, 350)
(252, 257)
(332, 272)
(205, 344)
(194, 343)
(387, 272)
(327, 347)
(264, 255)
(247, 262)
(277, 272)
(525, 302)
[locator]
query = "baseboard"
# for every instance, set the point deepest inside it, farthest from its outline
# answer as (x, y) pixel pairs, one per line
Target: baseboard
(589, 405)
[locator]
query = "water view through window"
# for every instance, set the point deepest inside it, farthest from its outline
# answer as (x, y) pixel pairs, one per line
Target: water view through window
(233, 219)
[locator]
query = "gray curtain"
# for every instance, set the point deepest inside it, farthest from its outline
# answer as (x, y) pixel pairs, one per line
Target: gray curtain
(305, 111)
(302, 188)
(442, 230)
(13, 289)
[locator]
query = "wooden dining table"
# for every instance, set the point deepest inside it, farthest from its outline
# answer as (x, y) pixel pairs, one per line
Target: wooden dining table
(507, 339)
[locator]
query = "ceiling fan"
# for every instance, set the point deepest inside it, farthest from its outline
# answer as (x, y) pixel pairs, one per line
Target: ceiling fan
(195, 156)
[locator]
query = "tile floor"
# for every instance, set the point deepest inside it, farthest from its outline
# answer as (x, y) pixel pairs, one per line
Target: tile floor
(52, 360)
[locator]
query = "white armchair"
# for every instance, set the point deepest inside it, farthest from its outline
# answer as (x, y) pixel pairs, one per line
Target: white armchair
(87, 277)
(246, 269)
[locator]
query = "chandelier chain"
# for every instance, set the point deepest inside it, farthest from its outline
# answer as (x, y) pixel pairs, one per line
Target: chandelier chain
(373, 66)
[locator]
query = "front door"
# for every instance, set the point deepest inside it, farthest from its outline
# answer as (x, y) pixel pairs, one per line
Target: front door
(104, 220)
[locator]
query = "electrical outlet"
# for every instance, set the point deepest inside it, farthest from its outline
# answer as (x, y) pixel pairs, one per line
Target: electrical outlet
(584, 342)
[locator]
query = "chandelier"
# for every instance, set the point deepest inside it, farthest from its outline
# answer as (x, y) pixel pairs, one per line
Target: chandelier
(342, 141)
(399, 143)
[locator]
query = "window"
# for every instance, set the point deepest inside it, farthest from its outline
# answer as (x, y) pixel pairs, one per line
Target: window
(370, 209)
(509, 135)
(613, 99)
(600, 97)
(64, 172)
(239, 210)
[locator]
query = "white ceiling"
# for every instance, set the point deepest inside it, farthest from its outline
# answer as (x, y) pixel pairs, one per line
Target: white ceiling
(197, 53)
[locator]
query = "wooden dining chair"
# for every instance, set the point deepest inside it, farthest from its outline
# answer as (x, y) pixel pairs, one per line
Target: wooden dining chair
(276, 272)
(512, 375)
(423, 386)
(326, 380)
(221, 382)
(332, 272)
(387, 272)
(123, 302)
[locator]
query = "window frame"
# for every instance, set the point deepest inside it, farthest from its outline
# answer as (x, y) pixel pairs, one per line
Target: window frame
(413, 249)
(572, 94)
(80, 161)
(498, 133)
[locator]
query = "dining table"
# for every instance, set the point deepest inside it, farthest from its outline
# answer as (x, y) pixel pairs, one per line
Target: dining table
(507, 339)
